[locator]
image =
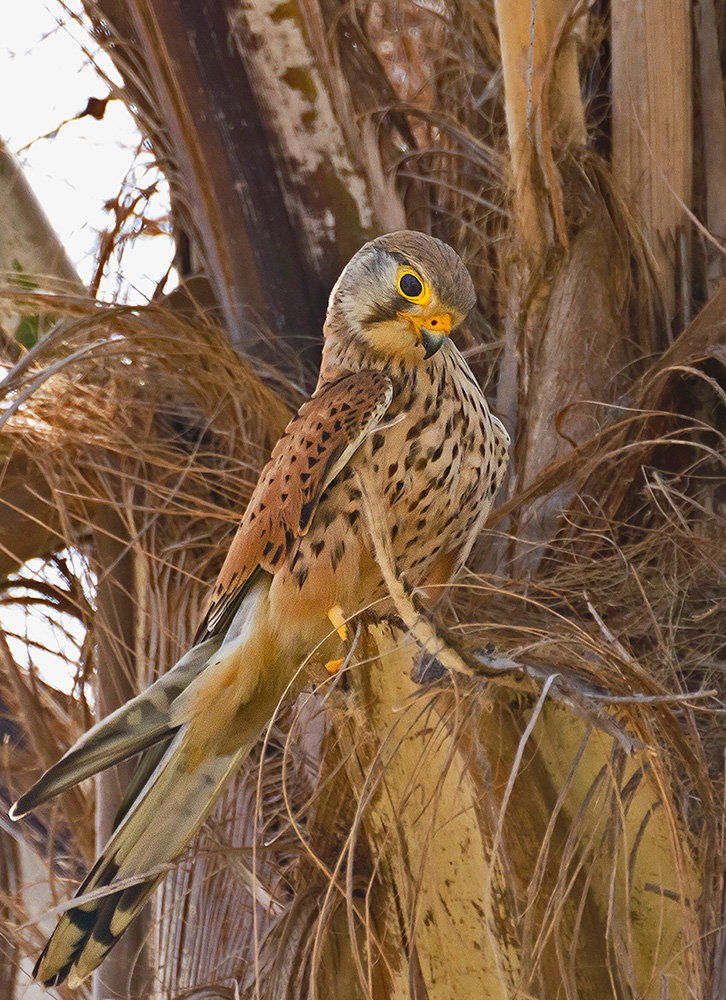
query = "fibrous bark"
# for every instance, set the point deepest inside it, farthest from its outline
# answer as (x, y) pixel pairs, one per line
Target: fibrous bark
(653, 133)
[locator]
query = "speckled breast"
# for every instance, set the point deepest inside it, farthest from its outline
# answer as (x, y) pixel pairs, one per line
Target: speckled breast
(435, 465)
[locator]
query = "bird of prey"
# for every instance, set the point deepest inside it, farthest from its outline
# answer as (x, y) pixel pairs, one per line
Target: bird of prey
(397, 417)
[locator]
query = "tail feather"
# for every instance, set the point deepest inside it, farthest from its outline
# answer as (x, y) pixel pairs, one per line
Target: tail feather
(167, 813)
(195, 726)
(137, 725)
(148, 763)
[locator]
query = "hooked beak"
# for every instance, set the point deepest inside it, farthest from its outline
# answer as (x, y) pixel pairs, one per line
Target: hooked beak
(431, 330)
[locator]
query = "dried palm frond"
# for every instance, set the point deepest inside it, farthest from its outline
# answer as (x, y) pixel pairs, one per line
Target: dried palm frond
(146, 434)
(551, 828)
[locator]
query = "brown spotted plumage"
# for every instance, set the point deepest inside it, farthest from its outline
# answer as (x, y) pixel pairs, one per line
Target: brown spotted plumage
(317, 443)
(397, 413)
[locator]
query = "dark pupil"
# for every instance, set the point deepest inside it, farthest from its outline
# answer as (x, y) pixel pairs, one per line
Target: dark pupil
(410, 286)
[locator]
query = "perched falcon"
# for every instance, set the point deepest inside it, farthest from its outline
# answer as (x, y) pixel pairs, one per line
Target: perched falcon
(396, 413)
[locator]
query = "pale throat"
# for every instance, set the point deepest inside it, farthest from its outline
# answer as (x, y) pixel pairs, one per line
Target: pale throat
(381, 347)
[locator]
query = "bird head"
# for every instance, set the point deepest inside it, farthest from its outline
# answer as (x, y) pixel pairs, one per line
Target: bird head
(399, 297)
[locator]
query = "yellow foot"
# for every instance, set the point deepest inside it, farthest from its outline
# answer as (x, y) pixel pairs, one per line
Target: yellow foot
(337, 620)
(333, 666)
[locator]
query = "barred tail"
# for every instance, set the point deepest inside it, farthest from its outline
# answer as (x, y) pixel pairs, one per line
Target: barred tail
(167, 813)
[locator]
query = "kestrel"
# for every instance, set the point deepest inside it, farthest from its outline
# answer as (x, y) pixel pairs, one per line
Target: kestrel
(398, 415)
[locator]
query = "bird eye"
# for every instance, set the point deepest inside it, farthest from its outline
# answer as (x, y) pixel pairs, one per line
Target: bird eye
(411, 286)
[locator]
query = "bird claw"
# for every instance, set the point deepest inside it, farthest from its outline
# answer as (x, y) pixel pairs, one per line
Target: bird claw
(427, 668)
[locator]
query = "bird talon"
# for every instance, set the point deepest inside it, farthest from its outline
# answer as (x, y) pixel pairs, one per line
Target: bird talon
(337, 620)
(333, 666)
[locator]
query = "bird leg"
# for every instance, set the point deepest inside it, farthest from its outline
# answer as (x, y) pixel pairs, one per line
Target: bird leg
(337, 620)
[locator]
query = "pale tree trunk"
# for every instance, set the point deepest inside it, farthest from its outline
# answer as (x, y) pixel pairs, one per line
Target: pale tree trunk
(469, 821)
(653, 135)
(553, 322)
(544, 111)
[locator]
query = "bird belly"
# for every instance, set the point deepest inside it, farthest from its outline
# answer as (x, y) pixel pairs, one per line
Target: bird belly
(332, 567)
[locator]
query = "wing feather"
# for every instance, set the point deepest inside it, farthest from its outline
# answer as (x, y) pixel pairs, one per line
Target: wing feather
(318, 442)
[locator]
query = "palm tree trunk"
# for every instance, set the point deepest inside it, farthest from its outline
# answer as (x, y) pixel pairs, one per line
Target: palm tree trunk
(653, 135)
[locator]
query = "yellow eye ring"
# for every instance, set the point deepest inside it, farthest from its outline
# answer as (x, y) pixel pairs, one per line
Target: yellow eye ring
(412, 286)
